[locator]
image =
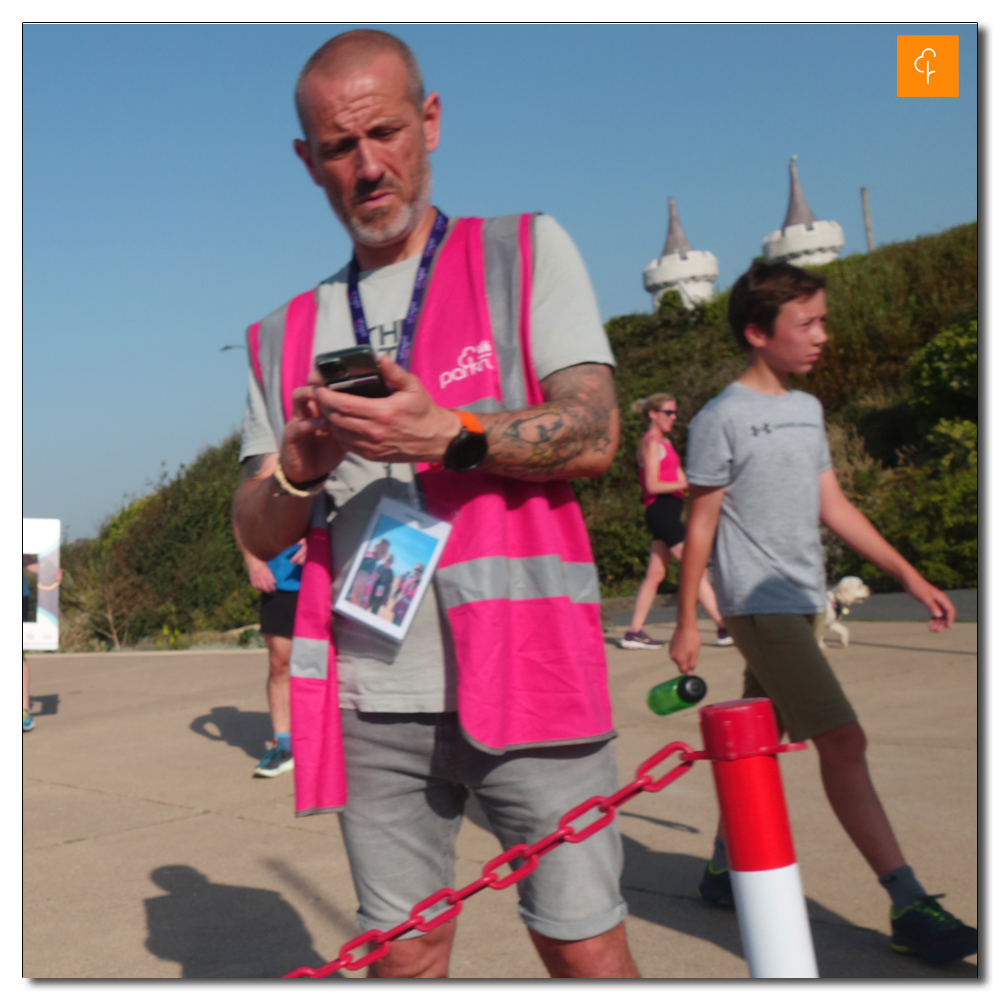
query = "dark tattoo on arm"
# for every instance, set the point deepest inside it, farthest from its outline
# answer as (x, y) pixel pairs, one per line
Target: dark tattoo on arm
(574, 433)
(252, 466)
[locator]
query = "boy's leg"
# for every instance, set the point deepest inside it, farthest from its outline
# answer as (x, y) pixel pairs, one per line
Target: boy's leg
(785, 664)
(853, 798)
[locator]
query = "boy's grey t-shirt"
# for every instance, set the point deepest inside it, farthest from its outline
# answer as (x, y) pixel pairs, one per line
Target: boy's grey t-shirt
(374, 673)
(768, 452)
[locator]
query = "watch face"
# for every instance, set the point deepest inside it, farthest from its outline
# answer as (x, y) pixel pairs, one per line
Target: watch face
(466, 451)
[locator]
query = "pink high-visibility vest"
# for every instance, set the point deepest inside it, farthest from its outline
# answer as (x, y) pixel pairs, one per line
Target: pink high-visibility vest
(517, 577)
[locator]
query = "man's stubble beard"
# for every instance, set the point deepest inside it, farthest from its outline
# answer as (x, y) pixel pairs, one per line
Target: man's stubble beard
(378, 233)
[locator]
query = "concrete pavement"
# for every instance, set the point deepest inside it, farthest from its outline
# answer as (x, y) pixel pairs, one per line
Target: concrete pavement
(150, 852)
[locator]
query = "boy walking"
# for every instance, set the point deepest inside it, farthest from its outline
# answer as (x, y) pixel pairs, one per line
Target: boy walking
(762, 480)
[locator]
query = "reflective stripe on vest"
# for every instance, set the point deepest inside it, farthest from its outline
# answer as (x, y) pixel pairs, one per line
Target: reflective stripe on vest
(497, 578)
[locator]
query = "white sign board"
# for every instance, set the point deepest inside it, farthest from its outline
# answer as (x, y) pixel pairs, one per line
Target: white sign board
(40, 540)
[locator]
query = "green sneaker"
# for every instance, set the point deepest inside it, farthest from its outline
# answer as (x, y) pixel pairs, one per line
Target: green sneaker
(27, 722)
(716, 887)
(927, 929)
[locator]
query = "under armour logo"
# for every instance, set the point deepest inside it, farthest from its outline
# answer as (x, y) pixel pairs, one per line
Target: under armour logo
(763, 429)
(927, 64)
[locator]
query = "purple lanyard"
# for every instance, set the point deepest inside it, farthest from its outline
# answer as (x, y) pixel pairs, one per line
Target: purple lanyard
(419, 287)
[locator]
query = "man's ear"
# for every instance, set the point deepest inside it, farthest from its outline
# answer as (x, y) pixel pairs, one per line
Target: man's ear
(432, 121)
(303, 152)
(756, 336)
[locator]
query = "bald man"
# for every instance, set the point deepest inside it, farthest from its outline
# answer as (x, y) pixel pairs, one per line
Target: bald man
(489, 334)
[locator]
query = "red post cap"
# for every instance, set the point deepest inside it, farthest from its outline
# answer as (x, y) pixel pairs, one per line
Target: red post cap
(742, 728)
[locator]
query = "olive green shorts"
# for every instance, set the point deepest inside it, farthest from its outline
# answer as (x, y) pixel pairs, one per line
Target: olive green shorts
(785, 664)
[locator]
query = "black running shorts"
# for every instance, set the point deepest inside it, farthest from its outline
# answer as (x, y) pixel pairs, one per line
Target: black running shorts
(663, 518)
(277, 612)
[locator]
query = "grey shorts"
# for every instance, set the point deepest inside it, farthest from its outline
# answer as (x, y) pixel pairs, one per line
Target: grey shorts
(408, 778)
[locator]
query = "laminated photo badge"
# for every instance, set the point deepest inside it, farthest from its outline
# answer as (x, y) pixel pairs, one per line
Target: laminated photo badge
(393, 567)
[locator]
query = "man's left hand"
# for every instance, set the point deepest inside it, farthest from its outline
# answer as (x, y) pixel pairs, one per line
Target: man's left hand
(407, 426)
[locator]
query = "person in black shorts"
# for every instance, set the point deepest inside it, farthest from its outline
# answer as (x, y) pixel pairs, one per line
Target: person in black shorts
(663, 489)
(278, 582)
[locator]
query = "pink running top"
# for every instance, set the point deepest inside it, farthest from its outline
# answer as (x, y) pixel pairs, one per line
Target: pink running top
(670, 465)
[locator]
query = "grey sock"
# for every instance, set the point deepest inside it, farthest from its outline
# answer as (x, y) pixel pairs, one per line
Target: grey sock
(720, 862)
(902, 886)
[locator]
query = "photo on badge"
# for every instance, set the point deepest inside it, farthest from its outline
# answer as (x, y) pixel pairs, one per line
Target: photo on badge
(392, 569)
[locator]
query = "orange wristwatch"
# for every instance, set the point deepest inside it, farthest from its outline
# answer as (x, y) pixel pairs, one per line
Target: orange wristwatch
(468, 448)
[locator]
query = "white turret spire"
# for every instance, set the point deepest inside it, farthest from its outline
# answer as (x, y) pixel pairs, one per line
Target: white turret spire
(689, 271)
(802, 240)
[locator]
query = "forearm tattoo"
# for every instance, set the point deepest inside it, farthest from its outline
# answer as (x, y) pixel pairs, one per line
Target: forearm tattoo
(567, 435)
(252, 466)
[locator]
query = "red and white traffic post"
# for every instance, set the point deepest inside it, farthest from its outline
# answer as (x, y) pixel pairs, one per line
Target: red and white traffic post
(741, 741)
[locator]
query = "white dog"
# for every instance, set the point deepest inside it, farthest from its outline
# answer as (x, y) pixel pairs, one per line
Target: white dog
(850, 590)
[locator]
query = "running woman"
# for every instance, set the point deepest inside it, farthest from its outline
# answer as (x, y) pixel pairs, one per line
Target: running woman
(663, 489)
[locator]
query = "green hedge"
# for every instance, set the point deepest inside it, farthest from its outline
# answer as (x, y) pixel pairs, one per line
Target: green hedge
(898, 380)
(884, 309)
(168, 561)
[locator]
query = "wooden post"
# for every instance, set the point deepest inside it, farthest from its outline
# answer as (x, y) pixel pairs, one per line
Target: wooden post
(866, 209)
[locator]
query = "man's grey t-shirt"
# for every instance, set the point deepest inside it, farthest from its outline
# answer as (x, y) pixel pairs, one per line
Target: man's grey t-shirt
(768, 452)
(376, 674)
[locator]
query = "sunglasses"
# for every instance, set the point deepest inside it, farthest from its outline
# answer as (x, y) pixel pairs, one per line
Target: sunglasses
(668, 413)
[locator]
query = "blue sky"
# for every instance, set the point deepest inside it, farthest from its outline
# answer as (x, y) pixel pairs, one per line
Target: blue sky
(164, 210)
(408, 546)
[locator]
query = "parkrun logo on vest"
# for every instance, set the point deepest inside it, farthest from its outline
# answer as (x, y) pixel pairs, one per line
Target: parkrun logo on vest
(471, 361)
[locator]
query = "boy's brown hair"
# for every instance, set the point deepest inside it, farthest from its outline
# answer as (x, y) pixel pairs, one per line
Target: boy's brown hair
(758, 295)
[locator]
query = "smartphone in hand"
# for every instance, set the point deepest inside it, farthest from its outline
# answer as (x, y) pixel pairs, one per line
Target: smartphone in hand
(354, 370)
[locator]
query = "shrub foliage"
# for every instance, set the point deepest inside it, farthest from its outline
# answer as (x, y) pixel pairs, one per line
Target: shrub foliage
(167, 561)
(901, 357)
(898, 380)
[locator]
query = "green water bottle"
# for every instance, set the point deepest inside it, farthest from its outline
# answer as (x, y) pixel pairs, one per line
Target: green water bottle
(683, 691)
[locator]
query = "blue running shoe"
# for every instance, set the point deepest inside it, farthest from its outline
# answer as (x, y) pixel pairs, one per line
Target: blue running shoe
(927, 929)
(27, 722)
(273, 763)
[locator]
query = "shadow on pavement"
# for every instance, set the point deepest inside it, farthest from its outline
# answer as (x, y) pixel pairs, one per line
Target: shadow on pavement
(224, 931)
(49, 703)
(249, 731)
(346, 924)
(661, 888)
(917, 649)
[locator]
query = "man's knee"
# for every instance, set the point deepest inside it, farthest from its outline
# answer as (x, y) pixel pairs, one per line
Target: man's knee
(845, 744)
(605, 956)
(279, 651)
(424, 957)
(279, 668)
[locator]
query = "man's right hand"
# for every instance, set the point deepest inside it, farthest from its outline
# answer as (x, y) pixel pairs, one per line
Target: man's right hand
(310, 448)
(685, 647)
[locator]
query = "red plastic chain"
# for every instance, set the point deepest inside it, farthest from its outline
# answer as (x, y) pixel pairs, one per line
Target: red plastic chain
(527, 854)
